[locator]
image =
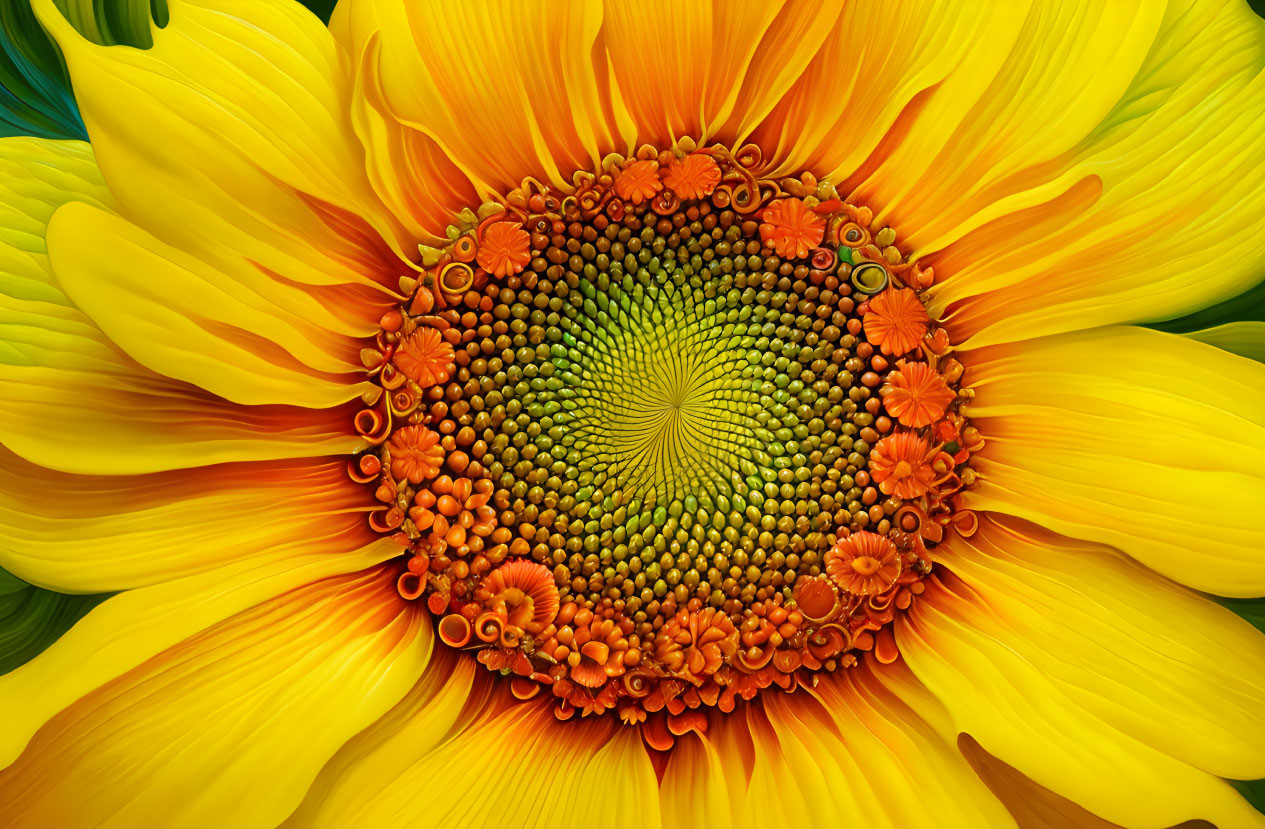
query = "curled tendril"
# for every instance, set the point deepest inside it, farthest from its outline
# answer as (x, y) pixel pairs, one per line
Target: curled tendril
(403, 402)
(391, 377)
(665, 202)
(489, 626)
(456, 278)
(722, 197)
(749, 156)
(869, 277)
(373, 426)
(822, 259)
(385, 519)
(455, 630)
(410, 585)
(364, 469)
(464, 249)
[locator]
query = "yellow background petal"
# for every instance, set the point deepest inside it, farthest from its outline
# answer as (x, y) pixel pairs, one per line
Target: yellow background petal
(1149, 442)
(181, 319)
(100, 534)
(1092, 678)
(69, 398)
(230, 726)
(230, 139)
(459, 751)
(134, 626)
(849, 752)
(1166, 666)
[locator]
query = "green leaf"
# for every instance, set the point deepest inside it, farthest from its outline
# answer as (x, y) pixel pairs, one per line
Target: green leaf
(31, 619)
(1249, 305)
(1253, 610)
(321, 8)
(35, 93)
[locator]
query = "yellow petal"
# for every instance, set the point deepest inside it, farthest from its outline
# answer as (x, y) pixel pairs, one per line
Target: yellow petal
(71, 400)
(1093, 676)
(1034, 807)
(128, 629)
(850, 752)
(230, 726)
(1102, 151)
(230, 140)
(1247, 338)
(100, 534)
(181, 319)
(453, 690)
(1149, 442)
(1111, 173)
(454, 754)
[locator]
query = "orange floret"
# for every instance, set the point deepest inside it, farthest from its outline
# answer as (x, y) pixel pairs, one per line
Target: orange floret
(896, 321)
(693, 177)
(863, 564)
(901, 465)
(791, 228)
(638, 181)
(505, 249)
(916, 395)
(425, 358)
(415, 454)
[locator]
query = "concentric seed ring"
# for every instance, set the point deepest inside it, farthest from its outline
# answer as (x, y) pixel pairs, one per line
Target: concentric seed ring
(700, 416)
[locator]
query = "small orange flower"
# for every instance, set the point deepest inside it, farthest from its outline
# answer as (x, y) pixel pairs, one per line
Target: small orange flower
(693, 177)
(896, 321)
(901, 465)
(863, 564)
(505, 249)
(425, 358)
(415, 454)
(791, 228)
(916, 395)
(638, 181)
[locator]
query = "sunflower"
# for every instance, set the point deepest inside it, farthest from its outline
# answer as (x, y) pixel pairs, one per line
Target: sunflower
(639, 415)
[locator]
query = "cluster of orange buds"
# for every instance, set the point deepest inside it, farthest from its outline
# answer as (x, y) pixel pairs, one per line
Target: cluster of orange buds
(696, 642)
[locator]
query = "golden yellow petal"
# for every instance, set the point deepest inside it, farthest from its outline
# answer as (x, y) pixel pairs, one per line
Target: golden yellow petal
(182, 319)
(1150, 442)
(1111, 173)
(230, 139)
(230, 726)
(1092, 676)
(100, 534)
(453, 754)
(848, 752)
(135, 626)
(69, 398)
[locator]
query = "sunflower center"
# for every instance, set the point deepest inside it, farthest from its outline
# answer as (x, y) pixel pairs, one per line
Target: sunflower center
(675, 436)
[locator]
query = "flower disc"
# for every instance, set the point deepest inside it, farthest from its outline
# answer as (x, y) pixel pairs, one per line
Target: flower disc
(662, 432)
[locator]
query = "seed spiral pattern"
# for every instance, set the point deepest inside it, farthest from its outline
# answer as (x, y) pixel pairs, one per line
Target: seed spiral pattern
(673, 437)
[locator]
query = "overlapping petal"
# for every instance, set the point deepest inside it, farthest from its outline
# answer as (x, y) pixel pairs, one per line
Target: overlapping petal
(233, 723)
(72, 400)
(852, 748)
(1150, 442)
(460, 752)
(94, 533)
(1093, 676)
